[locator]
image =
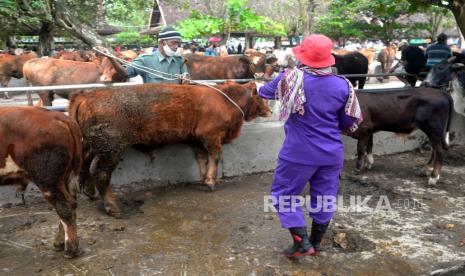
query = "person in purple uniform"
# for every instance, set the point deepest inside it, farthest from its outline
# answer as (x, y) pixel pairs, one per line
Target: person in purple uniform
(316, 107)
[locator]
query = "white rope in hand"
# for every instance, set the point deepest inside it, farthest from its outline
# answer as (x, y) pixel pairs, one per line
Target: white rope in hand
(171, 76)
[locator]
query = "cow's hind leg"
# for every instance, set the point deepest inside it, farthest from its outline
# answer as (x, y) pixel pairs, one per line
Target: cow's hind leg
(429, 166)
(361, 146)
(201, 155)
(438, 156)
(369, 157)
(65, 206)
(47, 169)
(106, 165)
(46, 98)
(361, 82)
(86, 179)
(214, 153)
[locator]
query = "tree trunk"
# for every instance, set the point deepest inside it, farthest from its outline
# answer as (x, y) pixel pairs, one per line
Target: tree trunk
(65, 19)
(459, 14)
(10, 41)
(436, 20)
(2, 43)
(100, 15)
(45, 40)
(309, 14)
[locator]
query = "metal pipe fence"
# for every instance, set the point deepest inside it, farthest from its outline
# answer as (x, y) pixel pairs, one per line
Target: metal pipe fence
(123, 84)
(72, 87)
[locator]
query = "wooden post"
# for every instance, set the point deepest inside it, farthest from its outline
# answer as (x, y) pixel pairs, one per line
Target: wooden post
(277, 42)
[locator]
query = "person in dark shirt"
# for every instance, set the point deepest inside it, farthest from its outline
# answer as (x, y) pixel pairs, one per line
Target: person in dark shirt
(412, 61)
(438, 51)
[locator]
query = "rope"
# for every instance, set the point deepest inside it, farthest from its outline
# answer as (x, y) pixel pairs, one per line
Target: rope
(171, 76)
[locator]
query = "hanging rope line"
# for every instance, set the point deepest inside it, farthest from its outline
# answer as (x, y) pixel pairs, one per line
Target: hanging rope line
(167, 76)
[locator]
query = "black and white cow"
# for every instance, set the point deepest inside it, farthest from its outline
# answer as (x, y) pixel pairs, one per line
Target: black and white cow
(450, 72)
(403, 111)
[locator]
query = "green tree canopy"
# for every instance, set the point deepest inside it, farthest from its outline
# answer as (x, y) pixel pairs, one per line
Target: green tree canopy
(238, 18)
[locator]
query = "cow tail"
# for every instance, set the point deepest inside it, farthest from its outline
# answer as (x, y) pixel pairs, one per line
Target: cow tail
(75, 101)
(77, 158)
(73, 112)
(449, 119)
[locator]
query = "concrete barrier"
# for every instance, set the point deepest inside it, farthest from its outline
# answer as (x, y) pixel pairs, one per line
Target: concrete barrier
(254, 151)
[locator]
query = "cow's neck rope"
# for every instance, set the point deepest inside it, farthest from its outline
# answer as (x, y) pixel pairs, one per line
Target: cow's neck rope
(171, 76)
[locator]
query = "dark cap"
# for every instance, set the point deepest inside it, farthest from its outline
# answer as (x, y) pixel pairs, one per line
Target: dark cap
(169, 32)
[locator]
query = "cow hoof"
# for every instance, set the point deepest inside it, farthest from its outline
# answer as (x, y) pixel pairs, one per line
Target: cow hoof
(357, 171)
(72, 253)
(211, 184)
(89, 192)
(433, 180)
(426, 172)
(7, 96)
(211, 187)
(58, 246)
(116, 215)
(112, 212)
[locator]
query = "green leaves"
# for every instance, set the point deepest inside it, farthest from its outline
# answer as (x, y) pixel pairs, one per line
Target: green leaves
(238, 18)
(199, 25)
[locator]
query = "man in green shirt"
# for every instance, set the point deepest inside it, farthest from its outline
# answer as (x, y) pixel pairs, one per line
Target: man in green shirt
(166, 59)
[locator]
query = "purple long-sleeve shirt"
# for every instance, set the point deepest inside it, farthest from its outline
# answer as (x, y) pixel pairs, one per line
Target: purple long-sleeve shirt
(315, 137)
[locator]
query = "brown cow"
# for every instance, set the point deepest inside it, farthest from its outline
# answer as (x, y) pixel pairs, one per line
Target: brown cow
(12, 66)
(85, 56)
(69, 55)
(153, 115)
(369, 53)
(386, 57)
(128, 55)
(48, 154)
(227, 67)
(50, 71)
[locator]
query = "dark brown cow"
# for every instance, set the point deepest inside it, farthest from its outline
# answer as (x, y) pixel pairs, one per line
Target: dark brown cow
(228, 67)
(386, 57)
(154, 115)
(352, 63)
(50, 71)
(12, 66)
(404, 111)
(44, 147)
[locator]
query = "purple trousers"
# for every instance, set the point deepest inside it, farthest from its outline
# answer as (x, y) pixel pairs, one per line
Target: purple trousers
(290, 180)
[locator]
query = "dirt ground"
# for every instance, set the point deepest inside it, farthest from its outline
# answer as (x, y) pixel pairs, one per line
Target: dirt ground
(186, 230)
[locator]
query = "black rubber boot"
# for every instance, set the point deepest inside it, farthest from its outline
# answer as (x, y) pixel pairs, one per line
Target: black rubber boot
(301, 246)
(318, 231)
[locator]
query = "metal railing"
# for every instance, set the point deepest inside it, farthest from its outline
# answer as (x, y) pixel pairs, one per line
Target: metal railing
(72, 87)
(122, 84)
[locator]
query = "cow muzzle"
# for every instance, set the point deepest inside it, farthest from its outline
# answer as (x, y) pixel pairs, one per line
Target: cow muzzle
(105, 78)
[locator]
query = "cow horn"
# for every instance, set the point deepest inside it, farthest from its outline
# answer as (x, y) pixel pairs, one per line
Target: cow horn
(451, 59)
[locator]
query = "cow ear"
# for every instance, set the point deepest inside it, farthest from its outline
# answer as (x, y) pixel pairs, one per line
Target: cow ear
(458, 66)
(251, 87)
(244, 59)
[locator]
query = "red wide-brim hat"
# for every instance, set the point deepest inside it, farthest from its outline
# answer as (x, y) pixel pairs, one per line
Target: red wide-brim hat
(315, 51)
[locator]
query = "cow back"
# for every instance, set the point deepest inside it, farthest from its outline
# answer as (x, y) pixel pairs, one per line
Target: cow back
(400, 110)
(229, 67)
(158, 114)
(351, 63)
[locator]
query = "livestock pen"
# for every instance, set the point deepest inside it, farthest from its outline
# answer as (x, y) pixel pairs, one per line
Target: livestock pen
(171, 225)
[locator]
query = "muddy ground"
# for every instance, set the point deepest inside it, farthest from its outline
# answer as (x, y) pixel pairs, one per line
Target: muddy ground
(186, 230)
